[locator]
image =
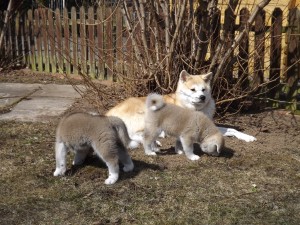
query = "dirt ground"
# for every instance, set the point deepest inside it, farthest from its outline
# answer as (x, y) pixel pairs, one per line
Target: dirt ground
(250, 183)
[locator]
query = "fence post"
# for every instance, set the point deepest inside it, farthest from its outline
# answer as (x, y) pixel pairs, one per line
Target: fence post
(67, 40)
(38, 36)
(119, 42)
(51, 35)
(83, 46)
(91, 41)
(275, 52)
(31, 40)
(109, 43)
(293, 58)
(259, 46)
(243, 56)
(58, 46)
(44, 27)
(74, 40)
(100, 53)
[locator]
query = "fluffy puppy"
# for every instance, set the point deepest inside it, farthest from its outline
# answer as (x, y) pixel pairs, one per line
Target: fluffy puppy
(106, 135)
(188, 126)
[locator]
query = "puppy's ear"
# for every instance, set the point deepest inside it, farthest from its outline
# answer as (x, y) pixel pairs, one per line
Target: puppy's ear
(184, 76)
(207, 77)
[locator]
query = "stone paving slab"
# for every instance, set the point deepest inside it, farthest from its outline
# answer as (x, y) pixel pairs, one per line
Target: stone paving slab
(44, 101)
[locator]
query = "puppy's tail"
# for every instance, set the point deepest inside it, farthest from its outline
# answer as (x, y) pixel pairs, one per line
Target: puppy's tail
(155, 102)
(121, 129)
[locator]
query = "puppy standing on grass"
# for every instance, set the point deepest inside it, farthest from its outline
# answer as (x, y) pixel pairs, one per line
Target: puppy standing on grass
(106, 135)
(188, 126)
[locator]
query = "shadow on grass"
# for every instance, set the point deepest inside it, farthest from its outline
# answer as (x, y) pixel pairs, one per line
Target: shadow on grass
(226, 152)
(95, 161)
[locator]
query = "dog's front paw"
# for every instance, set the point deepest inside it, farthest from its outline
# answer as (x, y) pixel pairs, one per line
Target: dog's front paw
(111, 179)
(194, 157)
(59, 172)
(250, 138)
(128, 168)
(178, 151)
(150, 153)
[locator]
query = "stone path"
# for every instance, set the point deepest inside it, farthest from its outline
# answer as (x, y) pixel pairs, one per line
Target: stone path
(35, 102)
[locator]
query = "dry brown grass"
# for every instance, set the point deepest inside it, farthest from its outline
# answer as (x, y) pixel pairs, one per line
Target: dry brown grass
(250, 183)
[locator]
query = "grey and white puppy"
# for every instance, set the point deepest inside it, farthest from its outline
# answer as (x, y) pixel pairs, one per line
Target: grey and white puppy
(106, 135)
(187, 125)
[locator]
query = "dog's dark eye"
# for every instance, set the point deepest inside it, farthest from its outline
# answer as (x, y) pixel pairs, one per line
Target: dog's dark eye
(203, 89)
(193, 89)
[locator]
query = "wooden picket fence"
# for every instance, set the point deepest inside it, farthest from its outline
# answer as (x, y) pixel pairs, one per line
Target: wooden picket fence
(96, 43)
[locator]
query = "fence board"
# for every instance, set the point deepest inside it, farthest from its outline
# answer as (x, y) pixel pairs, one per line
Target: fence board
(58, 41)
(24, 42)
(74, 40)
(119, 42)
(216, 27)
(18, 40)
(50, 34)
(83, 45)
(293, 57)
(100, 53)
(91, 41)
(31, 41)
(109, 43)
(259, 46)
(66, 52)
(243, 55)
(275, 49)
(43, 21)
(38, 36)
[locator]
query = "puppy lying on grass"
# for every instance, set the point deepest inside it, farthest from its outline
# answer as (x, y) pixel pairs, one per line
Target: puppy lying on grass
(187, 125)
(106, 135)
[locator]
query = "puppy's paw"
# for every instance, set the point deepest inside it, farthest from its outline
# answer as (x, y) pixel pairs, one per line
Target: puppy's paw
(59, 172)
(194, 157)
(111, 180)
(133, 144)
(179, 151)
(158, 143)
(128, 168)
(150, 153)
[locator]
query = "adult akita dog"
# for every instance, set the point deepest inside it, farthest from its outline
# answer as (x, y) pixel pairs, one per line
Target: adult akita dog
(192, 92)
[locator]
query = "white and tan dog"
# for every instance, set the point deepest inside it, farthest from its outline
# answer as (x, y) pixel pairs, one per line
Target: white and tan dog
(193, 92)
(106, 135)
(186, 125)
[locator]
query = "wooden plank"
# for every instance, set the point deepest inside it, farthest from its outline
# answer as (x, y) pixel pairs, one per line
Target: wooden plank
(100, 40)
(109, 43)
(51, 37)
(67, 41)
(275, 49)
(18, 39)
(74, 40)
(83, 45)
(216, 27)
(26, 39)
(129, 57)
(243, 56)
(38, 36)
(58, 42)
(91, 41)
(259, 46)
(31, 41)
(293, 56)
(44, 27)
(24, 47)
(119, 44)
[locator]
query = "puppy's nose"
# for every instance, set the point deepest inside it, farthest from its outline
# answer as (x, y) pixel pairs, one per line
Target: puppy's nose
(202, 97)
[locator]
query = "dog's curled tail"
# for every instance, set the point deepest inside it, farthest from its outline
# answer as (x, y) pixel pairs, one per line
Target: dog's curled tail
(121, 129)
(155, 102)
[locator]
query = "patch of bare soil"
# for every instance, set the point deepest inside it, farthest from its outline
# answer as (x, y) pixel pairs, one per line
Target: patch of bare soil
(250, 183)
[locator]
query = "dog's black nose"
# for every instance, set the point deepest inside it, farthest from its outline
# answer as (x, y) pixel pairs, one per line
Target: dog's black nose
(202, 97)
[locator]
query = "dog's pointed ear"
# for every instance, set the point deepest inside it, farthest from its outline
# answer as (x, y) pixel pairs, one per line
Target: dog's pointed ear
(184, 75)
(207, 77)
